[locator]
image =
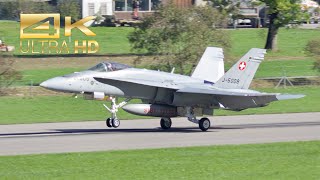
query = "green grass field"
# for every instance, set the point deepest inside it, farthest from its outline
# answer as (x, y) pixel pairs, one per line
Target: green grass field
(276, 68)
(39, 75)
(291, 42)
(113, 40)
(295, 160)
(16, 110)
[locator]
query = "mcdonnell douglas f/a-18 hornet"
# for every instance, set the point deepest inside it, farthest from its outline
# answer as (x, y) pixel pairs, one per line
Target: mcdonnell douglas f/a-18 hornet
(168, 95)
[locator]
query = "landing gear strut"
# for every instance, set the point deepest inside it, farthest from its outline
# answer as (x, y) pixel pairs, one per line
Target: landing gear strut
(204, 123)
(165, 123)
(113, 121)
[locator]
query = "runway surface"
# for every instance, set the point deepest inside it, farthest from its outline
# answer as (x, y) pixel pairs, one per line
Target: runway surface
(140, 134)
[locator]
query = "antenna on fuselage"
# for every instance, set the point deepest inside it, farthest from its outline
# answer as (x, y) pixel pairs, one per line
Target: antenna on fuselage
(172, 71)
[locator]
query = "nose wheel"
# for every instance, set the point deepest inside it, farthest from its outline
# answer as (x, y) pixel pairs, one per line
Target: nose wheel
(108, 122)
(113, 122)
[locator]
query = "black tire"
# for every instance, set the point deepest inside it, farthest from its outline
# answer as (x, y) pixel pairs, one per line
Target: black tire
(115, 123)
(108, 122)
(204, 124)
(165, 123)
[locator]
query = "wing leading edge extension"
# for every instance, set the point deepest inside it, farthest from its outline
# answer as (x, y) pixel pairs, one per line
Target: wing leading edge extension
(165, 84)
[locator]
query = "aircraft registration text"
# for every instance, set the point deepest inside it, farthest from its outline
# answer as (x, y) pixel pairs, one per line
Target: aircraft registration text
(231, 80)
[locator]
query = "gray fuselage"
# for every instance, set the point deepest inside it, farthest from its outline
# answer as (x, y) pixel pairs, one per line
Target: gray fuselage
(84, 82)
(156, 87)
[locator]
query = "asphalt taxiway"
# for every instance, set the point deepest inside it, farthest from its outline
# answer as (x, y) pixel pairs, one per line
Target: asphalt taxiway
(141, 134)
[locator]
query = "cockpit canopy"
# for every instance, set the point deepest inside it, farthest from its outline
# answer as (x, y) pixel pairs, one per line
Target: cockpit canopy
(108, 67)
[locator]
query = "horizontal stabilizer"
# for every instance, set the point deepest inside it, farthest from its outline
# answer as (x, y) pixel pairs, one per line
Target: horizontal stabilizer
(237, 99)
(289, 96)
(226, 92)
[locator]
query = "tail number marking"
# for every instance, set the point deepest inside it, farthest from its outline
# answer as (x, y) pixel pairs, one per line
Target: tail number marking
(231, 80)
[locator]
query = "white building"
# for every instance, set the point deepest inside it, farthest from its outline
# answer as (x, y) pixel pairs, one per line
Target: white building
(96, 7)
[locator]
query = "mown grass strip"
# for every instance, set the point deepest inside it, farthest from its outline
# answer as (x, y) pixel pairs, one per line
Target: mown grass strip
(295, 160)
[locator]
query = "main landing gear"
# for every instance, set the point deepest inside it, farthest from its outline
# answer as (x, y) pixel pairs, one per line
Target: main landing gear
(165, 123)
(204, 123)
(113, 121)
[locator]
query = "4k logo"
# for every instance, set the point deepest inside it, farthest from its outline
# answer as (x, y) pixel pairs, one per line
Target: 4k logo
(41, 22)
(46, 27)
(30, 21)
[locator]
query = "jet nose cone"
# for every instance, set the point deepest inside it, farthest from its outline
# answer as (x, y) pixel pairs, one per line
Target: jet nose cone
(44, 84)
(56, 83)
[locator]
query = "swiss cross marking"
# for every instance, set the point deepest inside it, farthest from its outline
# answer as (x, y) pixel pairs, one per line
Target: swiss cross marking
(242, 65)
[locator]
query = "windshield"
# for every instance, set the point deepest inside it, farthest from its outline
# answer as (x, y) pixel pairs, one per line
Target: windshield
(108, 67)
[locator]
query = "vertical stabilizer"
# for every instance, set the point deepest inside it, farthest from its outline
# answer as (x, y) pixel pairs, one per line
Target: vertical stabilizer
(210, 66)
(241, 74)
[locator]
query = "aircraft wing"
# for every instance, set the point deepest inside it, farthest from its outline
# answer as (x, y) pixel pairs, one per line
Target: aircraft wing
(237, 100)
(226, 92)
(164, 84)
(229, 92)
(234, 99)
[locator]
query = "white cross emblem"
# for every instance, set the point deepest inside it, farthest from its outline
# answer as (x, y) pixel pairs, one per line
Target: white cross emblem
(242, 65)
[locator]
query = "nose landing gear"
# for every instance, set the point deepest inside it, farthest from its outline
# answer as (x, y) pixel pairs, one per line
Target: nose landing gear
(113, 121)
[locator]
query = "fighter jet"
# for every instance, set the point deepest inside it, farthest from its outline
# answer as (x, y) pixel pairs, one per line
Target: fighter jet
(167, 95)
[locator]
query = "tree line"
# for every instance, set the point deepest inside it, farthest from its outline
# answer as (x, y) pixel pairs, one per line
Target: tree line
(179, 36)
